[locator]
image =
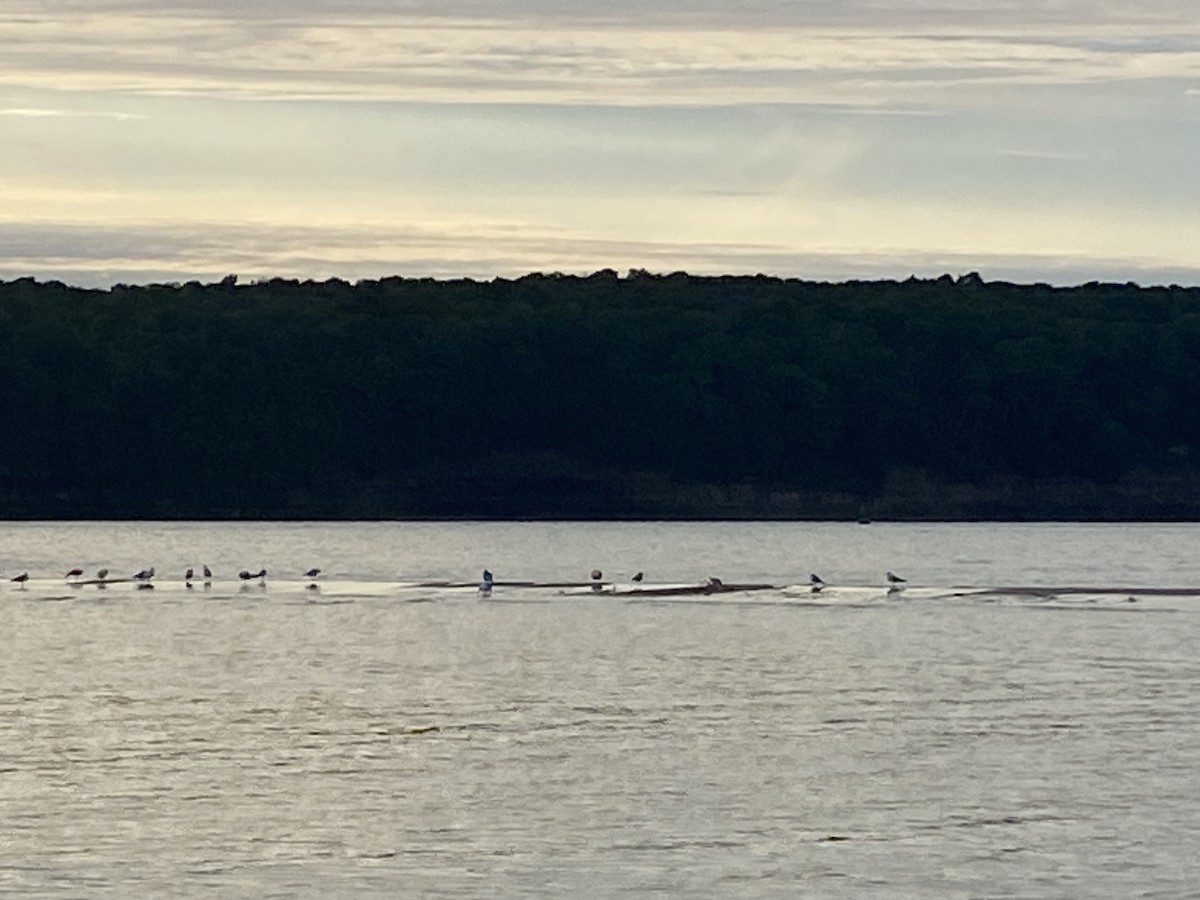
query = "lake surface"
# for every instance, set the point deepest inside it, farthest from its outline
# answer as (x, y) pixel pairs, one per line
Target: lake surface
(1023, 720)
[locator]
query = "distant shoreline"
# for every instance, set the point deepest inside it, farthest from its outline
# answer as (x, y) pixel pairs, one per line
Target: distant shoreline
(907, 497)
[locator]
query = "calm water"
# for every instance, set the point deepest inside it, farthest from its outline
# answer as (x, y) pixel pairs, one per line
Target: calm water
(373, 737)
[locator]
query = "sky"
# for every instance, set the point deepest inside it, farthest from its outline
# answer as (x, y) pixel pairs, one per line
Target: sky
(171, 140)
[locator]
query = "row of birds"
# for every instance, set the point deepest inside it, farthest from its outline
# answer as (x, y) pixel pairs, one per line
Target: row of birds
(145, 576)
(816, 582)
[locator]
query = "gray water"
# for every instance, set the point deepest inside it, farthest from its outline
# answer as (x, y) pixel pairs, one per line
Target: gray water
(371, 735)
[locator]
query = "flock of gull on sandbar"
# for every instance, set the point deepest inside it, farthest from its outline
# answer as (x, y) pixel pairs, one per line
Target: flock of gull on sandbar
(144, 579)
(710, 586)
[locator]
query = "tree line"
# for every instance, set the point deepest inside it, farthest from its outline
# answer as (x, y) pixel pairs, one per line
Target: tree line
(639, 395)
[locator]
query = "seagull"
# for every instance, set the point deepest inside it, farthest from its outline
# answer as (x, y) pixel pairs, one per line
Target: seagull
(893, 578)
(20, 579)
(312, 573)
(145, 574)
(74, 573)
(816, 581)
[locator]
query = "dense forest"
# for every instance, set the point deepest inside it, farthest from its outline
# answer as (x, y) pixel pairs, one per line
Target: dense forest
(605, 396)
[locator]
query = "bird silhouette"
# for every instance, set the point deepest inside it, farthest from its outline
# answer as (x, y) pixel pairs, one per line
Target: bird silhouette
(816, 581)
(74, 573)
(20, 579)
(638, 577)
(312, 573)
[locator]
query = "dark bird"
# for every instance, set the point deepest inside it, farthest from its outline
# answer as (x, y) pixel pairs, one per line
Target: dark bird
(75, 573)
(102, 574)
(312, 573)
(145, 574)
(816, 581)
(485, 586)
(20, 579)
(188, 575)
(207, 573)
(894, 579)
(638, 577)
(246, 575)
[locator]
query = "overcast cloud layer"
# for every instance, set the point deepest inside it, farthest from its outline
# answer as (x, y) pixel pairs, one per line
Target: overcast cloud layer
(171, 140)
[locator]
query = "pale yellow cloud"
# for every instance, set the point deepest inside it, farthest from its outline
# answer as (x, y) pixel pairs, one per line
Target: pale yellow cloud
(378, 56)
(929, 135)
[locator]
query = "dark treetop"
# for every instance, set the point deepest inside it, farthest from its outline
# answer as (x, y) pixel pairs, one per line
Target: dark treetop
(641, 396)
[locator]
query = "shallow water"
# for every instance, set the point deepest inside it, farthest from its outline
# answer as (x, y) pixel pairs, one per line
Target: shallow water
(376, 737)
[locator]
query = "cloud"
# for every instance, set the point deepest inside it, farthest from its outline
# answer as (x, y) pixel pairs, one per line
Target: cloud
(856, 55)
(1048, 155)
(783, 136)
(32, 113)
(101, 256)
